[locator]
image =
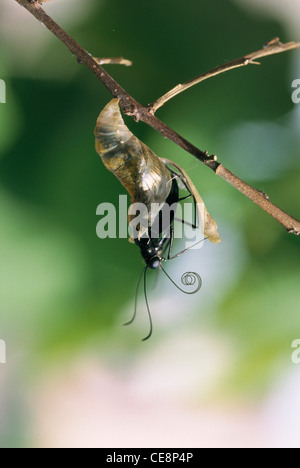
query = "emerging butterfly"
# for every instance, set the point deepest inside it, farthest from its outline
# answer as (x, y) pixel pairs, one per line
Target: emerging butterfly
(153, 182)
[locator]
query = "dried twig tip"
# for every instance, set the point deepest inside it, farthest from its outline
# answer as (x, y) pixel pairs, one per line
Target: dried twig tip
(273, 42)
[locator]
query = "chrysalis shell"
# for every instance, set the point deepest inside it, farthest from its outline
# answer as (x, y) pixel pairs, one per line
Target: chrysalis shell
(140, 171)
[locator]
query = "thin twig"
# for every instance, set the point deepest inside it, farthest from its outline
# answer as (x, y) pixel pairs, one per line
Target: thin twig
(270, 48)
(131, 107)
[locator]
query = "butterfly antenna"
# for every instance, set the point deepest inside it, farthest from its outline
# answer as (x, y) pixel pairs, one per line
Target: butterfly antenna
(188, 279)
(136, 298)
(148, 308)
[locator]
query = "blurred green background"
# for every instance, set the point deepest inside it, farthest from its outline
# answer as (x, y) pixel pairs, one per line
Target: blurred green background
(74, 376)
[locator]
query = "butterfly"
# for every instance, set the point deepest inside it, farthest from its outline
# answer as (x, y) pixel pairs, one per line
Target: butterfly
(154, 184)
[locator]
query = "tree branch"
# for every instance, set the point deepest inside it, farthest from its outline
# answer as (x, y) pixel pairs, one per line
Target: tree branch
(131, 107)
(260, 198)
(270, 48)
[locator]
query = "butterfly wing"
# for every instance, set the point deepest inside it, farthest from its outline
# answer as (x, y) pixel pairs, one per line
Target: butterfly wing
(210, 228)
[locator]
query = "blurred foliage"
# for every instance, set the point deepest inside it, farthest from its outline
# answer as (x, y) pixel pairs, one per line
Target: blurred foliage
(59, 284)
